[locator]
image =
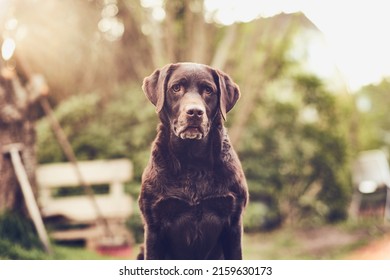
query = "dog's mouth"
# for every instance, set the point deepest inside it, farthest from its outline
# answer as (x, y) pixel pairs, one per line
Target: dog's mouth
(191, 132)
(191, 129)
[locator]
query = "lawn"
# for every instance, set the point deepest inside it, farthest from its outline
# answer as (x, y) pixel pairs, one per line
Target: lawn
(315, 243)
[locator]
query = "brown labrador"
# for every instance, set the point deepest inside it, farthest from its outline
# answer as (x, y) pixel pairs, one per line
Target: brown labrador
(193, 189)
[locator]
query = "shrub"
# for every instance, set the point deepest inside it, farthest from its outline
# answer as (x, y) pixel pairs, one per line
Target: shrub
(18, 238)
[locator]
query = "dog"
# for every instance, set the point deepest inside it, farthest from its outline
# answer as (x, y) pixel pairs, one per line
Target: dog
(193, 190)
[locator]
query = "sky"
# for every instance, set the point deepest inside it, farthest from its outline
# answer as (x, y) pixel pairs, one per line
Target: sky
(357, 32)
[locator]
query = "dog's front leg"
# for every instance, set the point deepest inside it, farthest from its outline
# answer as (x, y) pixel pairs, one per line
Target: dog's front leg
(153, 245)
(232, 242)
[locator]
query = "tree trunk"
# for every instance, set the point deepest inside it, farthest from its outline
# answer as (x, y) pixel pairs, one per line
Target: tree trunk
(16, 126)
(222, 52)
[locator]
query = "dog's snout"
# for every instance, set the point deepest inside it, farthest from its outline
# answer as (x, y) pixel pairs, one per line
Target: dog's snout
(194, 111)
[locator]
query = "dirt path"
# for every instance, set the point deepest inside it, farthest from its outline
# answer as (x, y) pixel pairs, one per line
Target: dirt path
(377, 250)
(318, 242)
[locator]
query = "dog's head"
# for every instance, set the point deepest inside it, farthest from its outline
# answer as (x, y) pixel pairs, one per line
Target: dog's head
(191, 95)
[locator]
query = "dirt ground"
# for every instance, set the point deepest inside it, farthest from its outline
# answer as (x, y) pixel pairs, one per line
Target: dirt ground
(375, 246)
(376, 250)
(337, 242)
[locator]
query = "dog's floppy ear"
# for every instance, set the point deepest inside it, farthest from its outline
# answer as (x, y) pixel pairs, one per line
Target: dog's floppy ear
(154, 86)
(229, 93)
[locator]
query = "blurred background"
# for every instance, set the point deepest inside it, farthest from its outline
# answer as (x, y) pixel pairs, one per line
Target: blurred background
(315, 84)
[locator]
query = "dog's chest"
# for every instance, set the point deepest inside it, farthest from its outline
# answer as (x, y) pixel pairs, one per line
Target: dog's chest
(192, 225)
(195, 202)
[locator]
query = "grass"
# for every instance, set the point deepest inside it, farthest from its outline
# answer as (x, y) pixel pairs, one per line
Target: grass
(314, 243)
(74, 253)
(59, 253)
(260, 246)
(327, 242)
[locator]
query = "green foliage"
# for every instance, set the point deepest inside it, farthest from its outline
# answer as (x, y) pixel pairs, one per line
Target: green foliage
(301, 161)
(18, 238)
(260, 217)
(373, 123)
(16, 228)
(123, 126)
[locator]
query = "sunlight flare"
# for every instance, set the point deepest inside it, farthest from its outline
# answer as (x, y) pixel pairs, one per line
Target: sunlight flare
(8, 48)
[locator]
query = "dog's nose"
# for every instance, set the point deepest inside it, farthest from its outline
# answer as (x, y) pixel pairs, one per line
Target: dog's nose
(194, 111)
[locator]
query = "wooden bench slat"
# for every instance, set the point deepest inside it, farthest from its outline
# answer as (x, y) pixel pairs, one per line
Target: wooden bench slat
(94, 172)
(81, 208)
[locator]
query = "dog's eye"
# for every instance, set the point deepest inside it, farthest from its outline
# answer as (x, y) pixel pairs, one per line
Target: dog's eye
(208, 90)
(176, 87)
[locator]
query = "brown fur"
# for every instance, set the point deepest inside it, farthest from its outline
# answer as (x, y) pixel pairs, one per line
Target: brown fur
(193, 189)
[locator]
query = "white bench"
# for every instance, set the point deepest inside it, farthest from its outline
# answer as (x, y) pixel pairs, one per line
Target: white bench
(115, 206)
